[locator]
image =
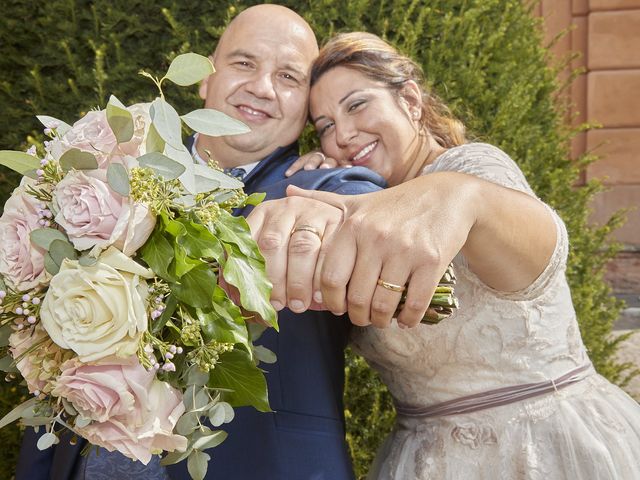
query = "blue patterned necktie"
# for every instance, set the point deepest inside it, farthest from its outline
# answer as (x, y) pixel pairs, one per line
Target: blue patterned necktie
(236, 172)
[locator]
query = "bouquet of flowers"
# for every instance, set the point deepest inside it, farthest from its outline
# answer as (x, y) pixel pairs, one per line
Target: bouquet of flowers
(111, 254)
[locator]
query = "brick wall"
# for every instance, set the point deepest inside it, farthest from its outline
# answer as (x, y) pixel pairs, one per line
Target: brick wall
(607, 35)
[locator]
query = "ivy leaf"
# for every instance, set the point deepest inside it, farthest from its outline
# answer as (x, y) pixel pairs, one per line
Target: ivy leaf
(162, 165)
(196, 287)
(167, 122)
(183, 262)
(42, 237)
(118, 179)
(78, 159)
(18, 161)
(235, 230)
(60, 127)
(214, 123)
(188, 69)
(120, 120)
(255, 198)
(199, 242)
(249, 277)
(236, 370)
(222, 327)
(157, 252)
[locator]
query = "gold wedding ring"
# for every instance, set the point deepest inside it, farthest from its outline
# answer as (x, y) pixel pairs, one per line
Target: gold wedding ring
(322, 155)
(391, 286)
(306, 228)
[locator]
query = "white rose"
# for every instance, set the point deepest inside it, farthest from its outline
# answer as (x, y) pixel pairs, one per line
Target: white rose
(98, 310)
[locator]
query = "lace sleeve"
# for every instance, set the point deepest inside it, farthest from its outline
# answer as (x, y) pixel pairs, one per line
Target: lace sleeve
(492, 164)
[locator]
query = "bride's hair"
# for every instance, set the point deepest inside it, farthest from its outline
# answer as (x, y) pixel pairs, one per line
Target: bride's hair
(376, 59)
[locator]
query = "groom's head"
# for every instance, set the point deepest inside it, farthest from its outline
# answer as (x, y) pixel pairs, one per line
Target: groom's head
(262, 64)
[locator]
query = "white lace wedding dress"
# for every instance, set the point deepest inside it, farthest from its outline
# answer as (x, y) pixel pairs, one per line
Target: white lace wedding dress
(584, 428)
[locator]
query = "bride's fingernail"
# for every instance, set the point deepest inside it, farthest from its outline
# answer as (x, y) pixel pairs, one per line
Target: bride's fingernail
(317, 296)
(296, 305)
(277, 305)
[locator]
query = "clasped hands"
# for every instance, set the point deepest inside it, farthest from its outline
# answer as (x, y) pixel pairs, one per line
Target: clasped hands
(345, 253)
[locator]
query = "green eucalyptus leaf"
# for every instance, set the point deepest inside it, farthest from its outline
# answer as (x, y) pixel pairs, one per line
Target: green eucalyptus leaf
(61, 249)
(18, 412)
(175, 457)
(196, 287)
(50, 265)
(187, 423)
(5, 333)
(236, 370)
(87, 261)
(42, 237)
(36, 421)
(209, 441)
(167, 122)
(162, 165)
(197, 377)
(184, 158)
(154, 142)
(217, 179)
(78, 159)
(7, 364)
(188, 69)
(118, 179)
(50, 122)
(214, 123)
(120, 120)
(264, 354)
(256, 330)
(47, 440)
(18, 161)
(218, 414)
(157, 252)
(197, 464)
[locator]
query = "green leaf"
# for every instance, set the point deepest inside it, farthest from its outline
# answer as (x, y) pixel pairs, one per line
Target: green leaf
(196, 287)
(221, 413)
(197, 377)
(50, 265)
(7, 364)
(214, 123)
(255, 198)
(209, 179)
(219, 325)
(17, 412)
(118, 179)
(157, 252)
(197, 464)
(210, 440)
(188, 69)
(236, 370)
(120, 120)
(199, 242)
(5, 333)
(61, 249)
(60, 127)
(42, 237)
(167, 122)
(87, 261)
(78, 159)
(162, 165)
(187, 423)
(18, 161)
(264, 354)
(183, 263)
(248, 275)
(154, 142)
(47, 440)
(235, 230)
(175, 457)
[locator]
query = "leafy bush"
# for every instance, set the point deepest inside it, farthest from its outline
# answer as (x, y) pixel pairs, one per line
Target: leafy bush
(484, 57)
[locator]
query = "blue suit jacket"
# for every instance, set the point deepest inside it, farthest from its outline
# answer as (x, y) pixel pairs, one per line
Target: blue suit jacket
(303, 439)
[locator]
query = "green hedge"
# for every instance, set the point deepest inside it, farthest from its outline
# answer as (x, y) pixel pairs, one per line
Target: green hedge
(484, 57)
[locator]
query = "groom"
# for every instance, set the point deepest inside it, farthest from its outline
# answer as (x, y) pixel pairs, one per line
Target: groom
(262, 78)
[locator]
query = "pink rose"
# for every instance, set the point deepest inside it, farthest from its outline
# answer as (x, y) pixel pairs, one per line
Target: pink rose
(136, 147)
(93, 215)
(133, 412)
(92, 134)
(21, 263)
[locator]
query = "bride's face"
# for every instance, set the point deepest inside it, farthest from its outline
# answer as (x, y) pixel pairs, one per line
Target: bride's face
(362, 122)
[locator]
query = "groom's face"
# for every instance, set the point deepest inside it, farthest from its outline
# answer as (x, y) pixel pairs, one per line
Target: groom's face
(262, 79)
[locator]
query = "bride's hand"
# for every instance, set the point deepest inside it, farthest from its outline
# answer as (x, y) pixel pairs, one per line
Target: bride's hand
(311, 161)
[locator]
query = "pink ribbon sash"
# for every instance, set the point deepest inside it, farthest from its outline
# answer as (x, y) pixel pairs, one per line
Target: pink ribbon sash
(497, 397)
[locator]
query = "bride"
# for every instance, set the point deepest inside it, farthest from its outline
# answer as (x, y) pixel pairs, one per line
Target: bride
(502, 389)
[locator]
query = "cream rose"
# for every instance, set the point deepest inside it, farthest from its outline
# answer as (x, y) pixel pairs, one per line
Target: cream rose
(21, 263)
(98, 310)
(133, 412)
